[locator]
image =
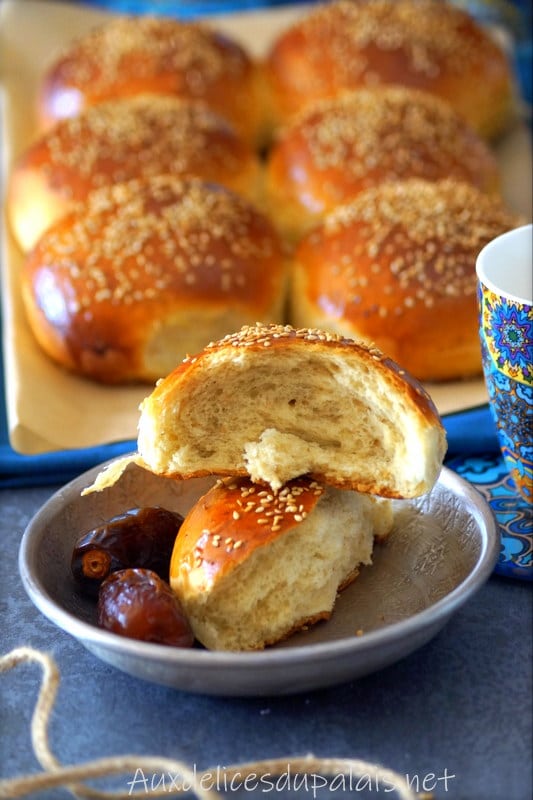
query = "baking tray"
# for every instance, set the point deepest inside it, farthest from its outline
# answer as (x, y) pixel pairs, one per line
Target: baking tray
(47, 408)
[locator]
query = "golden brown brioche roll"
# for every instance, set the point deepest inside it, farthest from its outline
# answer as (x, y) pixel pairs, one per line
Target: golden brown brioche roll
(426, 44)
(338, 147)
(125, 285)
(274, 403)
(137, 55)
(396, 267)
(118, 141)
(251, 566)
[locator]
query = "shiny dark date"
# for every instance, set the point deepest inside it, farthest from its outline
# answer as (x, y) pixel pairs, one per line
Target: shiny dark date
(140, 537)
(137, 603)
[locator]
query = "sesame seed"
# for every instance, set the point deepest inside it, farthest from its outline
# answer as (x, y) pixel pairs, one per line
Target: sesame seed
(340, 31)
(411, 214)
(151, 215)
(106, 52)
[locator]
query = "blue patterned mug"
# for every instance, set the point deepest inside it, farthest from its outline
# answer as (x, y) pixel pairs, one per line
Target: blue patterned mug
(505, 296)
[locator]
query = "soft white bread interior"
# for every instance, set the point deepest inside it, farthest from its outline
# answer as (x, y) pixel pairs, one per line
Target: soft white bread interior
(251, 566)
(274, 403)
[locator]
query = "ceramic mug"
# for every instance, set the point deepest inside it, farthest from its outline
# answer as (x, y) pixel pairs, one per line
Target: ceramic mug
(505, 300)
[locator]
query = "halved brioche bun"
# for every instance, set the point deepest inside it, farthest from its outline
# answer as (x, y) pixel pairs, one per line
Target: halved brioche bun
(275, 403)
(251, 566)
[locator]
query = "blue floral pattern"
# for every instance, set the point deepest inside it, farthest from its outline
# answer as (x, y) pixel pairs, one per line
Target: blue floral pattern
(506, 333)
(490, 476)
(508, 330)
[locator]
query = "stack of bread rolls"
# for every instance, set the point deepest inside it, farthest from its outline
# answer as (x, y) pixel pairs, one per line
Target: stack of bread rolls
(355, 96)
(310, 434)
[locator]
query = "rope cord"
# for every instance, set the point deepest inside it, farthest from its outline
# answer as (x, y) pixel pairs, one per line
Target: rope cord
(202, 785)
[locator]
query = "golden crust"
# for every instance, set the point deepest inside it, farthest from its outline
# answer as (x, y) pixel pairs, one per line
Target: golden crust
(117, 141)
(127, 283)
(396, 266)
(336, 148)
(233, 519)
(136, 55)
(425, 44)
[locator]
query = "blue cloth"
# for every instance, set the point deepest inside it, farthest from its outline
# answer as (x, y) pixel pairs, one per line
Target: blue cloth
(185, 9)
(471, 432)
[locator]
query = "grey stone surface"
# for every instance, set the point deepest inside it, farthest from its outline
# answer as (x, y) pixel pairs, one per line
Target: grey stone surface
(461, 704)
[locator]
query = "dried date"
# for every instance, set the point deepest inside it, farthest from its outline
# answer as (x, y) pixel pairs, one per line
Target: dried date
(136, 603)
(140, 537)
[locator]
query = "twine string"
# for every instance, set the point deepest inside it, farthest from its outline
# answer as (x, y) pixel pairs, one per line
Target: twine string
(203, 785)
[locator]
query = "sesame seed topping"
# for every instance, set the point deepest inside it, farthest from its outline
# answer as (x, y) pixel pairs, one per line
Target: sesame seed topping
(141, 47)
(363, 137)
(145, 135)
(153, 240)
(426, 236)
(273, 509)
(256, 335)
(429, 33)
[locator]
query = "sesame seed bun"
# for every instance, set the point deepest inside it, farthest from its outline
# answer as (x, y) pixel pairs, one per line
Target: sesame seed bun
(251, 566)
(144, 272)
(425, 44)
(120, 140)
(396, 267)
(338, 147)
(137, 55)
(275, 403)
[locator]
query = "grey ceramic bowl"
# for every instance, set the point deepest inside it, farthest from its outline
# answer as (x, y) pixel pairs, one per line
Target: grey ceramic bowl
(443, 548)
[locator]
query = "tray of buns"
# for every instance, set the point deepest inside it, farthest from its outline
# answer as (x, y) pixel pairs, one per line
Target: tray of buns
(72, 410)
